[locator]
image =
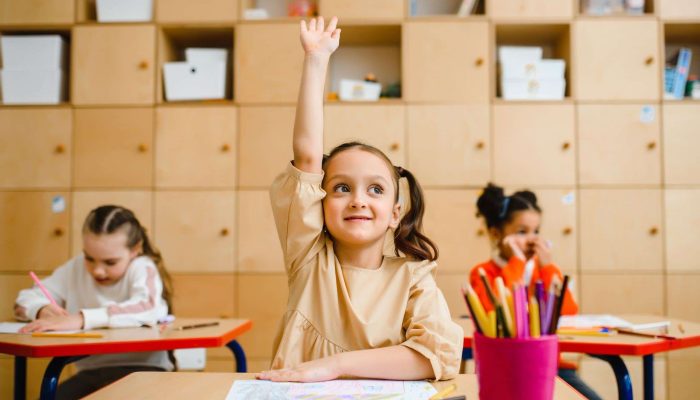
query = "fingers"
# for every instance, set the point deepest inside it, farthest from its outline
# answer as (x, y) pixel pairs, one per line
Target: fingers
(320, 25)
(335, 34)
(312, 25)
(332, 24)
(303, 26)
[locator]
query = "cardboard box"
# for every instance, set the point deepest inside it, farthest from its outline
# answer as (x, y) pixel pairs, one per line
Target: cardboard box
(533, 89)
(354, 90)
(33, 52)
(189, 81)
(33, 86)
(124, 10)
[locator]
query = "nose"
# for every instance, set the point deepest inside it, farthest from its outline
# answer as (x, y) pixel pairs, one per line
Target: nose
(99, 272)
(358, 201)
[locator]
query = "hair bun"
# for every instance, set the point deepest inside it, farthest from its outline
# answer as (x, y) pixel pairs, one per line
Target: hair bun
(490, 203)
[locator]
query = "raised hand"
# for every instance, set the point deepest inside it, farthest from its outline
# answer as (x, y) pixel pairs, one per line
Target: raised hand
(316, 38)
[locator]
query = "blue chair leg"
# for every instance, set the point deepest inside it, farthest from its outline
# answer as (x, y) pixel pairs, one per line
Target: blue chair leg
(624, 383)
(20, 378)
(648, 362)
(50, 381)
(239, 355)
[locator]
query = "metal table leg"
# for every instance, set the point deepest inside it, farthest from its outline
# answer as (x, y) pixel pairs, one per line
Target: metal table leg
(50, 381)
(624, 383)
(239, 354)
(20, 378)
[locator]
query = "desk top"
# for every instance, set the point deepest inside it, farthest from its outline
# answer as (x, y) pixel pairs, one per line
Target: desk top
(620, 344)
(213, 385)
(128, 339)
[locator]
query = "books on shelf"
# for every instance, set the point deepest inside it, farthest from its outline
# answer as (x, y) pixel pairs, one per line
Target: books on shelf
(676, 74)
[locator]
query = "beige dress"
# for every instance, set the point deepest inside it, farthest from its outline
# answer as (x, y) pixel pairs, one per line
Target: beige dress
(332, 309)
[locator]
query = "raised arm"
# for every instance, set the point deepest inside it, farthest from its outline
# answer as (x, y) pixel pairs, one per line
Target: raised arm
(319, 42)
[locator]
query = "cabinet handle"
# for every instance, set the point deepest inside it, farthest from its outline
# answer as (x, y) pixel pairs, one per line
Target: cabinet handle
(394, 146)
(480, 144)
(567, 231)
(651, 145)
(143, 65)
(480, 232)
(565, 146)
(225, 148)
(649, 60)
(58, 232)
(479, 62)
(224, 232)
(653, 230)
(143, 148)
(59, 149)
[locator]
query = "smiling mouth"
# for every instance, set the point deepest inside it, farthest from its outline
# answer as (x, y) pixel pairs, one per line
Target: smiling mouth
(358, 219)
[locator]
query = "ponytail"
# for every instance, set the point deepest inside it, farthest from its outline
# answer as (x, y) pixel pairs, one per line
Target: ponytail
(408, 236)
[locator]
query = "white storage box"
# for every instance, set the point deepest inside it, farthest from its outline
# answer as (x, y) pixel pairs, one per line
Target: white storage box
(196, 55)
(524, 54)
(124, 10)
(188, 81)
(32, 52)
(543, 69)
(32, 86)
(354, 90)
(533, 89)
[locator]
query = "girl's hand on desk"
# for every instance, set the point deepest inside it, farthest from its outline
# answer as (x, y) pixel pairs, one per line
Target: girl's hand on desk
(55, 323)
(318, 39)
(51, 310)
(323, 369)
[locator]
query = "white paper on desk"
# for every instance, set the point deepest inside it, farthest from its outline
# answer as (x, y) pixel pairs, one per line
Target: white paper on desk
(345, 389)
(583, 321)
(11, 327)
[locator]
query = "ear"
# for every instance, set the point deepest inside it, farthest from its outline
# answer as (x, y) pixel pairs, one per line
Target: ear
(395, 216)
(136, 250)
(495, 234)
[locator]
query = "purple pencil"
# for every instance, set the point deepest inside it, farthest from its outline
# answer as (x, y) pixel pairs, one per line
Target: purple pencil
(525, 315)
(539, 295)
(551, 299)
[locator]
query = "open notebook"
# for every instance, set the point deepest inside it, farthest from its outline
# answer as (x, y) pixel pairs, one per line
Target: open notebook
(584, 321)
(346, 389)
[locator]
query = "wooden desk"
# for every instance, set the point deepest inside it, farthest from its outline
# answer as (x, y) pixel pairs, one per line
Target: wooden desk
(212, 385)
(68, 350)
(611, 348)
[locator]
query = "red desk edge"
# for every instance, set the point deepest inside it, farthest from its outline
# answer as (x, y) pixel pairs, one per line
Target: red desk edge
(92, 348)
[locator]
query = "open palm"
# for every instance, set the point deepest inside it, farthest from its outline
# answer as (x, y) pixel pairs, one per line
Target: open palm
(316, 38)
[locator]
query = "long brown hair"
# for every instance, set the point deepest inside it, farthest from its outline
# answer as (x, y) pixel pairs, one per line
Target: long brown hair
(108, 219)
(408, 236)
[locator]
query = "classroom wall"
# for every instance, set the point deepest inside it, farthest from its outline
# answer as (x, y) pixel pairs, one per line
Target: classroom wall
(614, 164)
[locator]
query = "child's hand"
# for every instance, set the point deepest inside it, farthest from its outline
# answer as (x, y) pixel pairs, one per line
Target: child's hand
(543, 251)
(51, 311)
(510, 247)
(55, 323)
(316, 39)
(323, 369)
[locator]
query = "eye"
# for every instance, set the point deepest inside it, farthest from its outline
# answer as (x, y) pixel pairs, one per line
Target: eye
(89, 259)
(341, 188)
(537, 231)
(376, 189)
(110, 263)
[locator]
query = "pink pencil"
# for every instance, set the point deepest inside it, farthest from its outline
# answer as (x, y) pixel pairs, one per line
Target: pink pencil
(42, 288)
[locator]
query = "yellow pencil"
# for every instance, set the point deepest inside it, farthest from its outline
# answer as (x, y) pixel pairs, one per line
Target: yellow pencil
(67, 335)
(503, 295)
(583, 332)
(534, 318)
(493, 324)
(444, 392)
(479, 312)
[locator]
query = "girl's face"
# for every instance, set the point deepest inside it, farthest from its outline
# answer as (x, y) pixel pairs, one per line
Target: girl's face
(360, 204)
(524, 227)
(107, 256)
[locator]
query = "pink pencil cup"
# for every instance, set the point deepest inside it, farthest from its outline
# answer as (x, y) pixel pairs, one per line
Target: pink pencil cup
(521, 369)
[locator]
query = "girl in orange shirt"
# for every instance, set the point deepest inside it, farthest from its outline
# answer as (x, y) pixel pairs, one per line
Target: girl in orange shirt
(520, 255)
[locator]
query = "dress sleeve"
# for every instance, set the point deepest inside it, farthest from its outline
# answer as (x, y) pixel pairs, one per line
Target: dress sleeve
(428, 325)
(296, 198)
(30, 301)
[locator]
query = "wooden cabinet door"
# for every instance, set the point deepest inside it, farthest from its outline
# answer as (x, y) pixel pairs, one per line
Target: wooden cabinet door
(37, 12)
(169, 11)
(195, 230)
(619, 144)
(681, 141)
(558, 225)
(139, 202)
(204, 295)
(449, 144)
(259, 248)
(382, 126)
(113, 65)
(36, 230)
(391, 10)
(540, 9)
(265, 144)
(446, 61)
(678, 9)
(617, 59)
(263, 299)
(621, 230)
(682, 230)
(534, 144)
(269, 63)
(451, 223)
(36, 147)
(196, 147)
(113, 148)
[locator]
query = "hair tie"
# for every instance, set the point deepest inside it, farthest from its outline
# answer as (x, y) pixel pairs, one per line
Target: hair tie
(399, 170)
(504, 208)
